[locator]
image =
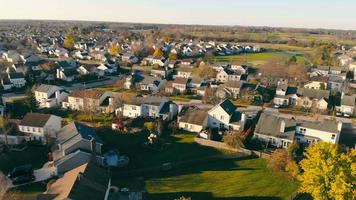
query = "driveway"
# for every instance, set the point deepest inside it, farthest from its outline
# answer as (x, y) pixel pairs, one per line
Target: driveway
(42, 174)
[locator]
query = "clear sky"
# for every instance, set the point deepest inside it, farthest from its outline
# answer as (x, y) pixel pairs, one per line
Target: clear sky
(337, 14)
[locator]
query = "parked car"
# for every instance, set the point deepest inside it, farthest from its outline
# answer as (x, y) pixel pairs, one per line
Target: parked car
(22, 174)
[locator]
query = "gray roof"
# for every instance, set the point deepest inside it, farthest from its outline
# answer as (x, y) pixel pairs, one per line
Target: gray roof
(73, 132)
(150, 100)
(313, 94)
(194, 116)
(46, 88)
(348, 100)
(270, 124)
(326, 125)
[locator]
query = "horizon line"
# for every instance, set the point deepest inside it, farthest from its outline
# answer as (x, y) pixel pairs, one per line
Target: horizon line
(180, 24)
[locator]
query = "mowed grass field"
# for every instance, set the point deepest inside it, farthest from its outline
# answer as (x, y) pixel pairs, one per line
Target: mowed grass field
(225, 180)
(258, 59)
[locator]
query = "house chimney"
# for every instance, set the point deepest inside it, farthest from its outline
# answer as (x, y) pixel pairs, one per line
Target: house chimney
(93, 146)
(282, 126)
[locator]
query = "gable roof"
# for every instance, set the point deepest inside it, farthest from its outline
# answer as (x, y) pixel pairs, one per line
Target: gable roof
(88, 93)
(270, 124)
(228, 107)
(92, 184)
(35, 120)
(194, 116)
(348, 100)
(46, 88)
(313, 94)
(325, 125)
(74, 132)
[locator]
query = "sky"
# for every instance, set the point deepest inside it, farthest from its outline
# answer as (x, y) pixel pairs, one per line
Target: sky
(333, 14)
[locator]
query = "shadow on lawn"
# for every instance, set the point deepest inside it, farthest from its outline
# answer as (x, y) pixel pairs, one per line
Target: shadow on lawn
(203, 196)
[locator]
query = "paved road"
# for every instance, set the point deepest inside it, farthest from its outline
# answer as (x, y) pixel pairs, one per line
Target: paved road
(76, 86)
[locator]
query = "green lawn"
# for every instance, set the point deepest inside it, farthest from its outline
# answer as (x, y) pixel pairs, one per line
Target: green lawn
(34, 155)
(243, 179)
(257, 59)
(179, 147)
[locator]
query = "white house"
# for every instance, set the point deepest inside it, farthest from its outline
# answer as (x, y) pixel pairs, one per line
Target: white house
(49, 96)
(15, 80)
(315, 131)
(228, 75)
(38, 126)
(225, 116)
(150, 106)
(347, 105)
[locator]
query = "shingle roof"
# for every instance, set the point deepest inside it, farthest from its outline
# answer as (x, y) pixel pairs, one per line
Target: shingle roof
(228, 106)
(313, 94)
(74, 132)
(88, 93)
(35, 119)
(326, 125)
(270, 124)
(194, 116)
(46, 88)
(348, 100)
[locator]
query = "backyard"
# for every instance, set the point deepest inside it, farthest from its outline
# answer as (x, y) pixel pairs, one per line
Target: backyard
(243, 178)
(239, 179)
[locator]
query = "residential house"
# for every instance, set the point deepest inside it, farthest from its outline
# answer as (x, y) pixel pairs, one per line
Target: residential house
(336, 83)
(68, 74)
(225, 116)
(74, 147)
(317, 85)
(311, 98)
(192, 119)
(228, 75)
(314, 131)
(150, 106)
(88, 100)
(178, 85)
(107, 68)
(184, 72)
(275, 129)
(39, 127)
(49, 96)
(13, 80)
(152, 84)
(285, 95)
(160, 72)
(347, 105)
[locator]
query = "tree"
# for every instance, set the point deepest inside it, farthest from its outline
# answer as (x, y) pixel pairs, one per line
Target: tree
(233, 140)
(282, 162)
(69, 41)
(158, 53)
(329, 172)
(150, 126)
(172, 56)
(114, 50)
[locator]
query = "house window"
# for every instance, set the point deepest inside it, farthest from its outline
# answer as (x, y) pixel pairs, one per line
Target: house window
(186, 125)
(133, 107)
(221, 117)
(333, 136)
(33, 130)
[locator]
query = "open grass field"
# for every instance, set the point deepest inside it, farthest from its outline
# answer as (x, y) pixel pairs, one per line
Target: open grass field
(225, 180)
(276, 36)
(258, 59)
